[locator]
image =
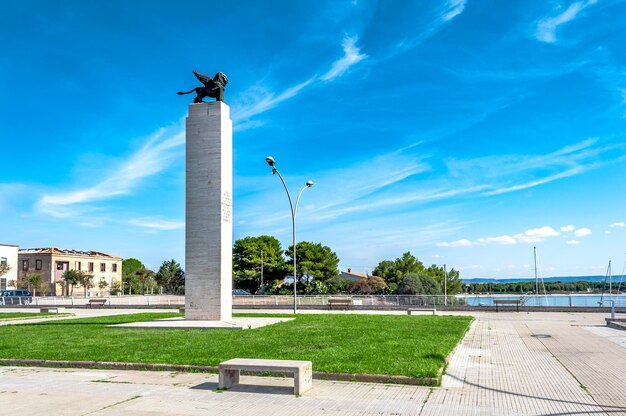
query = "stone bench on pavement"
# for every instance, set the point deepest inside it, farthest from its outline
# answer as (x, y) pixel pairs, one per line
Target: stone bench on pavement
(302, 371)
(411, 310)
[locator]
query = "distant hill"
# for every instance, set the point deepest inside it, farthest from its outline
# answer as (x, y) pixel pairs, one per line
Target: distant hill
(545, 279)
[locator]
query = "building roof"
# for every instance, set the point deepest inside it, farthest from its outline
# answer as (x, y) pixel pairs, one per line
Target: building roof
(354, 276)
(67, 252)
(9, 245)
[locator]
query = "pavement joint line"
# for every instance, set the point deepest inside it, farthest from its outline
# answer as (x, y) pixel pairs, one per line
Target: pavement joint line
(111, 405)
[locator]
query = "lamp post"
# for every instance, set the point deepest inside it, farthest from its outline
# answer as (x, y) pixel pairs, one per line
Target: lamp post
(294, 209)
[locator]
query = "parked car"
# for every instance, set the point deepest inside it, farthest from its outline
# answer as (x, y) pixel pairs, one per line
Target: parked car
(15, 297)
(241, 292)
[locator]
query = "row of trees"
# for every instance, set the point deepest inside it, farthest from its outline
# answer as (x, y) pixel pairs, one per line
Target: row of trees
(138, 279)
(529, 287)
(260, 266)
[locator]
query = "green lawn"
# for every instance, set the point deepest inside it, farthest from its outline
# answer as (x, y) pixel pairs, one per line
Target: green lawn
(414, 346)
(19, 315)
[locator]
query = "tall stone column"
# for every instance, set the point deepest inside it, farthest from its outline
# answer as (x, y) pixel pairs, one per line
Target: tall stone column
(209, 230)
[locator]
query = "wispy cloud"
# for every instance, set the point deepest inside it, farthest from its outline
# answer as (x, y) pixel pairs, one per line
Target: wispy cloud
(455, 8)
(259, 99)
(160, 150)
(156, 224)
(546, 28)
(572, 242)
(351, 56)
(617, 224)
(568, 228)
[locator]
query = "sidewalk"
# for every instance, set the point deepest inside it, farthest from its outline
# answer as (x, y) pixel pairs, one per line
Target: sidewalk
(508, 364)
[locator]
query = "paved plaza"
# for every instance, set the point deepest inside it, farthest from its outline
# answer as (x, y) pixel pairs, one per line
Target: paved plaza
(508, 364)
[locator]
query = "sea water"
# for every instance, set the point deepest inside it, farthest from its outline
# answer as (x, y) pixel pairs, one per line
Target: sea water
(548, 300)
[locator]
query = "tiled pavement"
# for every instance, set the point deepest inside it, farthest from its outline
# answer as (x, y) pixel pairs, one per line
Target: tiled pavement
(508, 364)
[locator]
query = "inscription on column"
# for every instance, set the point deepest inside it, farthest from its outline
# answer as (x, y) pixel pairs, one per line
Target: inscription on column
(227, 207)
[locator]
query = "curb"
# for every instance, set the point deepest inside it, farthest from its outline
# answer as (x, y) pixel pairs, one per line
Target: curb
(105, 365)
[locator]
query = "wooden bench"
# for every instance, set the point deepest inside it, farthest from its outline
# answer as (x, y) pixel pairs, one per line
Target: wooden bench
(302, 371)
(52, 310)
(96, 302)
(507, 302)
(424, 309)
(345, 302)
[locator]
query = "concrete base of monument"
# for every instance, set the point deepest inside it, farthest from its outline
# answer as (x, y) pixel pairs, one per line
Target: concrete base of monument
(182, 323)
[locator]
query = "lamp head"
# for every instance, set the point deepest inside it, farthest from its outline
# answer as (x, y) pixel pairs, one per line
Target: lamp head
(309, 183)
(270, 161)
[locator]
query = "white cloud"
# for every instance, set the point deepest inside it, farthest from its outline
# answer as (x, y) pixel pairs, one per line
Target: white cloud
(617, 224)
(546, 28)
(156, 155)
(536, 235)
(458, 243)
(351, 56)
(568, 228)
(455, 7)
(572, 242)
(581, 232)
(156, 223)
(533, 235)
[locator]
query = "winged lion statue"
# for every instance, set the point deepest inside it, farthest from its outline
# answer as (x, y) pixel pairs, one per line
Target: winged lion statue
(213, 87)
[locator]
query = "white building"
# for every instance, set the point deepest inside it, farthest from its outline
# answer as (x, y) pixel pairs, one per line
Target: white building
(8, 255)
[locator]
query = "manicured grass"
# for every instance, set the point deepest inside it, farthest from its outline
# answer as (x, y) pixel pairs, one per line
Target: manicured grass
(19, 315)
(414, 346)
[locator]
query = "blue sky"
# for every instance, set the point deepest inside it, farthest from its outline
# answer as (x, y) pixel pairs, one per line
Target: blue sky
(464, 131)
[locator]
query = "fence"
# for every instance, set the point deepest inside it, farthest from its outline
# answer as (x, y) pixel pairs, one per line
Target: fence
(382, 301)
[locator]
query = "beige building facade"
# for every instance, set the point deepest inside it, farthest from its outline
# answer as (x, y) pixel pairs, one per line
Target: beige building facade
(52, 262)
(8, 256)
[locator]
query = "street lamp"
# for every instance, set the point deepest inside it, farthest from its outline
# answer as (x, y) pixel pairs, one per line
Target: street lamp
(294, 209)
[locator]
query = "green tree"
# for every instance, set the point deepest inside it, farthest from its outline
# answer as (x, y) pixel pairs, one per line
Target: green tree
(314, 262)
(4, 269)
(70, 278)
(171, 277)
(145, 277)
(129, 276)
(410, 285)
(34, 282)
(102, 284)
(393, 272)
(86, 280)
(248, 255)
(419, 284)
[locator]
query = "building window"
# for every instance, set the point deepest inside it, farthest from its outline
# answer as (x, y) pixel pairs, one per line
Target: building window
(103, 267)
(90, 266)
(59, 265)
(3, 283)
(114, 267)
(37, 264)
(3, 260)
(24, 264)
(77, 265)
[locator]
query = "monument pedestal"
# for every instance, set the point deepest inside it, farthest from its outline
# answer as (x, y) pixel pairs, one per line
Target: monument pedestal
(209, 230)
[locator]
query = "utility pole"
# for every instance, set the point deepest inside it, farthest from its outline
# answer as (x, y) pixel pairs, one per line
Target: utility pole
(261, 267)
(445, 285)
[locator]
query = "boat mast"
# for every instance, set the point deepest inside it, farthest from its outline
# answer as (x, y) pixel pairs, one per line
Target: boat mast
(536, 281)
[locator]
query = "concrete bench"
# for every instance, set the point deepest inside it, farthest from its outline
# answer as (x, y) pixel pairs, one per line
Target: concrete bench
(425, 309)
(345, 302)
(181, 309)
(302, 371)
(51, 310)
(507, 302)
(96, 302)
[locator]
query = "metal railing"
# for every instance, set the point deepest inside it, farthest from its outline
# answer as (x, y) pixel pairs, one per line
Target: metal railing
(382, 301)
